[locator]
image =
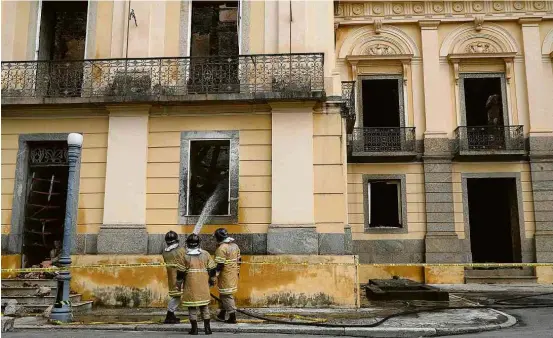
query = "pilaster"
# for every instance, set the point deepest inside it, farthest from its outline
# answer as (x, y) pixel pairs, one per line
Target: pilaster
(124, 225)
(292, 229)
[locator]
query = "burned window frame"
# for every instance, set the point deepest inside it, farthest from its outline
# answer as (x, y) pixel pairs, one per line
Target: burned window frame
(401, 178)
(504, 102)
(186, 138)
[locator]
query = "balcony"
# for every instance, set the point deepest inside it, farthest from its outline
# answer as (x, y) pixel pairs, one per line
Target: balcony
(348, 105)
(382, 144)
(489, 141)
(243, 77)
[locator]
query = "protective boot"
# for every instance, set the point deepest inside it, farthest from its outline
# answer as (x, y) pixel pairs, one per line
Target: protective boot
(171, 318)
(194, 329)
(221, 315)
(231, 318)
(207, 327)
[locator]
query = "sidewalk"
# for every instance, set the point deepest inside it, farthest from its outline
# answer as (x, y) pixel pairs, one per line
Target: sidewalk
(443, 322)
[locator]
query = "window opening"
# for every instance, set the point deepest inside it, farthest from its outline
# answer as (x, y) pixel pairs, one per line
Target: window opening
(45, 202)
(484, 113)
(208, 172)
(384, 204)
(214, 46)
(381, 114)
(62, 37)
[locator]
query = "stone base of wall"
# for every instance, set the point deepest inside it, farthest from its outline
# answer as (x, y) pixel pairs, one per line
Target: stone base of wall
(390, 251)
(122, 239)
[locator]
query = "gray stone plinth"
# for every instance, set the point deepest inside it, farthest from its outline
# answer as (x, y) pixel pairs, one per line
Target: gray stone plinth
(541, 146)
(121, 239)
(446, 248)
(348, 241)
(331, 244)
(250, 244)
(292, 241)
(389, 251)
(544, 248)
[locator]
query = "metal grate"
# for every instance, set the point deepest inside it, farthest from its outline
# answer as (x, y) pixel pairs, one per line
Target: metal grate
(383, 139)
(489, 138)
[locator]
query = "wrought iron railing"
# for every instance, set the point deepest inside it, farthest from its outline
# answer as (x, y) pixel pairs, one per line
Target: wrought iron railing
(489, 138)
(348, 104)
(383, 140)
(285, 75)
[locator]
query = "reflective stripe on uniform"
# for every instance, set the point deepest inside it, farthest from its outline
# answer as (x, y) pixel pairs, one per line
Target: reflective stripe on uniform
(220, 260)
(194, 304)
(175, 293)
(196, 270)
(228, 291)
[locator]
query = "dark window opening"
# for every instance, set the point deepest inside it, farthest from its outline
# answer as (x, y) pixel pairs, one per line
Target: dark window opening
(209, 175)
(493, 217)
(484, 113)
(45, 202)
(62, 38)
(381, 115)
(384, 204)
(214, 44)
(483, 101)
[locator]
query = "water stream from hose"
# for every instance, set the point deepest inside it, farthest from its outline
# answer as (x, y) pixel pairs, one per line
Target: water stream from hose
(209, 207)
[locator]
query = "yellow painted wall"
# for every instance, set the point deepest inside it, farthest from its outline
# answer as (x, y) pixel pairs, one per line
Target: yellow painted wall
(10, 262)
(484, 167)
(329, 188)
(254, 213)
(415, 198)
(94, 127)
(270, 284)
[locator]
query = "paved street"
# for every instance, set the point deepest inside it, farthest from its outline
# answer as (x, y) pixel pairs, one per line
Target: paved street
(535, 323)
(131, 334)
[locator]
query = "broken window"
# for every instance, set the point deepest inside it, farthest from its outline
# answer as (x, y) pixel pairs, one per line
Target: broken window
(209, 176)
(214, 46)
(384, 204)
(62, 38)
(382, 111)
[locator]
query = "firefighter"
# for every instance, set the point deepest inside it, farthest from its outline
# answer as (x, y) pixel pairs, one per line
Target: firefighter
(199, 276)
(173, 254)
(227, 257)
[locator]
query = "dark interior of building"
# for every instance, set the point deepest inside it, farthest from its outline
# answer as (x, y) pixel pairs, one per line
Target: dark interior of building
(384, 204)
(478, 105)
(380, 103)
(493, 215)
(209, 170)
(45, 202)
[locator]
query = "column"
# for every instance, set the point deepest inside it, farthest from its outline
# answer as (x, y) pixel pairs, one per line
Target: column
(292, 229)
(124, 225)
(442, 243)
(540, 137)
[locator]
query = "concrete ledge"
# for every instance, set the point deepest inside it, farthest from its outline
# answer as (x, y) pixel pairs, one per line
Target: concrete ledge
(282, 240)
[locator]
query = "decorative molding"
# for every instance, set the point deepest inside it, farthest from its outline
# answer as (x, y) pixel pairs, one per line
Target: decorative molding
(547, 46)
(449, 10)
(378, 26)
(478, 23)
(386, 40)
(491, 39)
(480, 47)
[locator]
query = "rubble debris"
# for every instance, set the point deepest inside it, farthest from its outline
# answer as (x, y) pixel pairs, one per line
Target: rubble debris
(13, 309)
(7, 324)
(46, 313)
(43, 291)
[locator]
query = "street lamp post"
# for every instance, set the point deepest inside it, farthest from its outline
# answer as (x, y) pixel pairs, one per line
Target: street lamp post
(61, 311)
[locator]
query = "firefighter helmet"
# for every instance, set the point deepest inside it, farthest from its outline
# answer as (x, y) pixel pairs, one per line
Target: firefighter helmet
(193, 241)
(171, 238)
(221, 234)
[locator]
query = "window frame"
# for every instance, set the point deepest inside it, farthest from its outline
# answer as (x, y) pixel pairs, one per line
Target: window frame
(401, 92)
(472, 75)
(402, 202)
(184, 175)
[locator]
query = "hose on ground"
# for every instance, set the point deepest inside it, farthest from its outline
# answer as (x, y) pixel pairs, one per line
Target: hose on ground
(399, 314)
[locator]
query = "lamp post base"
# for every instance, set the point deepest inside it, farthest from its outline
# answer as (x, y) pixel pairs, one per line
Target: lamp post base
(63, 314)
(62, 310)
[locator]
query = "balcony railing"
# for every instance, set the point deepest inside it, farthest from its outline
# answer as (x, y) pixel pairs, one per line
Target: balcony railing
(272, 76)
(348, 104)
(489, 139)
(383, 140)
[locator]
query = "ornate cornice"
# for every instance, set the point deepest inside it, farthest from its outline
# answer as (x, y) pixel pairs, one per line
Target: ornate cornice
(347, 12)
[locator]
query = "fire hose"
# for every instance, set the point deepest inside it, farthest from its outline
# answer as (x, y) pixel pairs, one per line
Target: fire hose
(501, 303)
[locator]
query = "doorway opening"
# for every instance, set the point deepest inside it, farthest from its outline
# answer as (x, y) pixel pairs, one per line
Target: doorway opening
(494, 220)
(381, 114)
(62, 37)
(484, 113)
(214, 47)
(45, 202)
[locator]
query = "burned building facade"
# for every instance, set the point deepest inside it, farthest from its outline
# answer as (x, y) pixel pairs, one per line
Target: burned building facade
(337, 132)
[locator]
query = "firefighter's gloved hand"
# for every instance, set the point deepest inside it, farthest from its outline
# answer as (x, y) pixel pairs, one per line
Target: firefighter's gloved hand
(211, 282)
